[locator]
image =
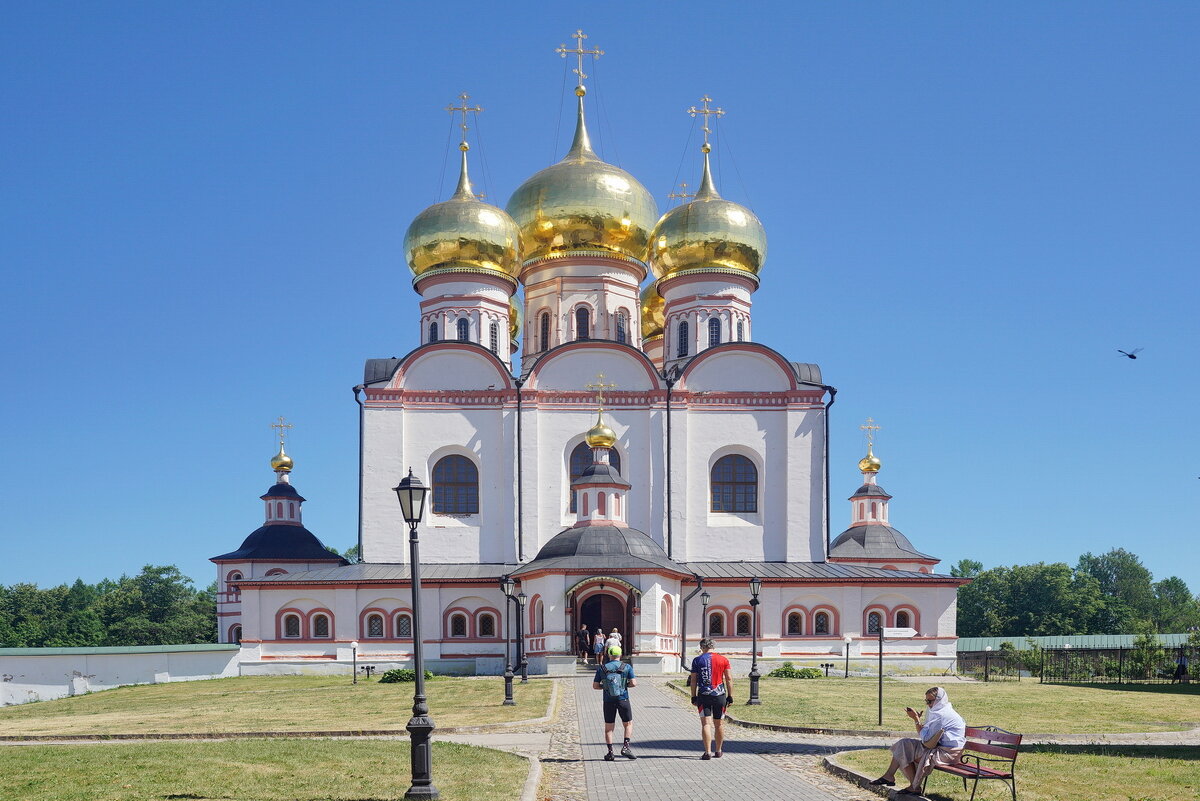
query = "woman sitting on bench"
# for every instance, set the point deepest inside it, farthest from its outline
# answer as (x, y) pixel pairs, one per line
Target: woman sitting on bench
(940, 742)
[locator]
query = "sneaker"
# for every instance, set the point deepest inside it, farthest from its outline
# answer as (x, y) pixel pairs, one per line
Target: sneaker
(882, 781)
(706, 755)
(625, 752)
(717, 754)
(609, 757)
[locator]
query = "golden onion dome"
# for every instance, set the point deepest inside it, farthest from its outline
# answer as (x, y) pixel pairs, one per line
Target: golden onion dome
(583, 204)
(709, 234)
(281, 462)
(600, 435)
(463, 234)
(515, 318)
(653, 305)
(869, 463)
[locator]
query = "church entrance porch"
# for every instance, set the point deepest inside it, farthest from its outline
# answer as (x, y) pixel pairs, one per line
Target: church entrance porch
(603, 611)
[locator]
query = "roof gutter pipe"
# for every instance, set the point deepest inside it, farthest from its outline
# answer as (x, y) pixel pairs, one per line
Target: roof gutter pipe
(358, 400)
(520, 382)
(832, 397)
(683, 618)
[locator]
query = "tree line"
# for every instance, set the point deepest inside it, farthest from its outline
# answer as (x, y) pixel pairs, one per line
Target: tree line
(1113, 593)
(158, 606)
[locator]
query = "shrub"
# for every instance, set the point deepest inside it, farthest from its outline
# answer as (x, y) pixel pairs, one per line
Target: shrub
(401, 674)
(789, 671)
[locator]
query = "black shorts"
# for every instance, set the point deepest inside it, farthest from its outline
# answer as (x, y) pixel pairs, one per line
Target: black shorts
(612, 708)
(711, 705)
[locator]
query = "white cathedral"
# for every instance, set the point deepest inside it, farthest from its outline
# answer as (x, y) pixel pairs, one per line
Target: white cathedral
(640, 463)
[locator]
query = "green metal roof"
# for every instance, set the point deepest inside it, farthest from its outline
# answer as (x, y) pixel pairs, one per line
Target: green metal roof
(1074, 640)
(120, 649)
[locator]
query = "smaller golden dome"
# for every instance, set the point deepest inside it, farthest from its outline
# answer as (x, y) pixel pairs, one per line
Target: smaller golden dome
(869, 463)
(652, 312)
(281, 462)
(515, 318)
(600, 435)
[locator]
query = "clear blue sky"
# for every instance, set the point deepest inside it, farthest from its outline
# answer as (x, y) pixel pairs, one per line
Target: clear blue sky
(970, 207)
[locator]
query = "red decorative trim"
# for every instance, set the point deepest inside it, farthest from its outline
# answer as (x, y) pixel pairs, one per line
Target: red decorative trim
(308, 627)
(279, 628)
(914, 615)
(595, 344)
(495, 613)
(447, 628)
(753, 347)
(276, 571)
(804, 618)
(884, 620)
(533, 628)
(505, 379)
(835, 623)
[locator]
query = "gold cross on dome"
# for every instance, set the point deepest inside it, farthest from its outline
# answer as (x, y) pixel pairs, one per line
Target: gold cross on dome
(599, 387)
(282, 426)
(706, 112)
(870, 428)
(579, 52)
(682, 193)
(463, 108)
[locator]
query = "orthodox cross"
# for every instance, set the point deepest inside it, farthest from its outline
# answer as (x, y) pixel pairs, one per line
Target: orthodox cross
(599, 387)
(870, 428)
(706, 112)
(282, 426)
(682, 193)
(463, 108)
(579, 52)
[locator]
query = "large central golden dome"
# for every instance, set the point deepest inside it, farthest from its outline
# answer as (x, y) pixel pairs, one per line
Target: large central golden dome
(582, 203)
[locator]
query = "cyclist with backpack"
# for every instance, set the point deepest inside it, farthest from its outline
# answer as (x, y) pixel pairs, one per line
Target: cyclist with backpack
(615, 678)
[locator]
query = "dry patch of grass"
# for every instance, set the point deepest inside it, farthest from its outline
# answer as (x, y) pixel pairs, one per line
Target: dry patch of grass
(1026, 707)
(252, 770)
(273, 703)
(1053, 773)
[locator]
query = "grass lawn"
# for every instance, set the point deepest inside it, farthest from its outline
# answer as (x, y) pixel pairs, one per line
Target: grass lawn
(1054, 773)
(251, 770)
(273, 703)
(1025, 707)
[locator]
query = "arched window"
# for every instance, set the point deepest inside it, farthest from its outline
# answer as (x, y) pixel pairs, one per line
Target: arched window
(585, 504)
(235, 634)
(433, 332)
(583, 323)
(795, 623)
(487, 626)
(539, 617)
(716, 625)
(545, 331)
(874, 510)
(458, 625)
(683, 339)
(874, 623)
(581, 459)
(455, 486)
(734, 484)
(464, 330)
(821, 623)
(494, 337)
(321, 626)
(291, 509)
(279, 508)
(291, 626)
(600, 505)
(236, 576)
(743, 624)
(375, 626)
(740, 331)
(622, 327)
(902, 620)
(403, 626)
(714, 331)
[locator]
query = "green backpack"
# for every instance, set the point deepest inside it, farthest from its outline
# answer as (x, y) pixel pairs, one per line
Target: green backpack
(614, 682)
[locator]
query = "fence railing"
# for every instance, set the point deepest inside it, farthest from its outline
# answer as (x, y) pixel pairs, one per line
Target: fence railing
(1118, 665)
(992, 665)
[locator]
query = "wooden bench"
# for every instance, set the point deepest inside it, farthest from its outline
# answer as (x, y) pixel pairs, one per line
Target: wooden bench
(987, 744)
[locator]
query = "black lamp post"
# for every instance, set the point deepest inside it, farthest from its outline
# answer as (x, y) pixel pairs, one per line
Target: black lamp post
(522, 599)
(506, 587)
(354, 662)
(704, 599)
(847, 639)
(755, 589)
(411, 493)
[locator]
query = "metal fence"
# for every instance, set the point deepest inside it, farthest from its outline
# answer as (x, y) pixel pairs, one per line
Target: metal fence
(992, 665)
(1155, 665)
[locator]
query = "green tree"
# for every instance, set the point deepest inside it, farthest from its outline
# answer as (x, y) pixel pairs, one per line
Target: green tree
(1029, 600)
(966, 568)
(1175, 608)
(1127, 586)
(350, 554)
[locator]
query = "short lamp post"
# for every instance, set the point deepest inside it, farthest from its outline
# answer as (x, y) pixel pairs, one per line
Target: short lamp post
(755, 589)
(847, 640)
(522, 599)
(354, 661)
(506, 586)
(987, 657)
(411, 493)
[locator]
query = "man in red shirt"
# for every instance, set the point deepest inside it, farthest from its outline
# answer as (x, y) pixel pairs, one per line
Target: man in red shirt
(712, 691)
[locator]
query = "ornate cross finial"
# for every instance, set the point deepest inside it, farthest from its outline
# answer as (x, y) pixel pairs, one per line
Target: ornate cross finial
(682, 193)
(282, 426)
(599, 387)
(463, 108)
(579, 52)
(870, 428)
(706, 112)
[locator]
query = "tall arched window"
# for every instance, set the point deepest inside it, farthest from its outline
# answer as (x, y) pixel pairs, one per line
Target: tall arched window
(403, 626)
(622, 326)
(433, 332)
(874, 623)
(821, 623)
(716, 625)
(544, 334)
(743, 624)
(795, 623)
(683, 339)
(581, 459)
(494, 337)
(583, 323)
(455, 486)
(235, 634)
(741, 331)
(902, 621)
(714, 331)
(375, 626)
(291, 626)
(464, 330)
(321, 626)
(734, 484)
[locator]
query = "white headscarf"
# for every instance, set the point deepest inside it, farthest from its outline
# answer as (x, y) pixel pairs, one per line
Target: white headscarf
(942, 716)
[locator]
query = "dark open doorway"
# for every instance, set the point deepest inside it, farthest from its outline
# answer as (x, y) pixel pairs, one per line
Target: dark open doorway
(604, 612)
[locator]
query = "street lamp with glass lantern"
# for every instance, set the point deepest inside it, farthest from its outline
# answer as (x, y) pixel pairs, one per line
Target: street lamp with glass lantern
(411, 494)
(354, 662)
(704, 599)
(522, 599)
(506, 586)
(755, 589)
(847, 639)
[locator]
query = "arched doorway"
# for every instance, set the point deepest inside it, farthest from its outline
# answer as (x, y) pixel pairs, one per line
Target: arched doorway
(603, 611)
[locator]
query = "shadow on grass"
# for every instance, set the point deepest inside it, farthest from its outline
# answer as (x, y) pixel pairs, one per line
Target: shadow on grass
(1189, 752)
(1153, 689)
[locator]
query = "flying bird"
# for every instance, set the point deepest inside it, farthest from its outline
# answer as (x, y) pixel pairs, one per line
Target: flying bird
(1132, 354)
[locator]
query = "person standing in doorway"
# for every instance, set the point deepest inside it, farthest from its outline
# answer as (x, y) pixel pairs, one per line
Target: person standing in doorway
(613, 641)
(583, 642)
(598, 646)
(615, 678)
(712, 691)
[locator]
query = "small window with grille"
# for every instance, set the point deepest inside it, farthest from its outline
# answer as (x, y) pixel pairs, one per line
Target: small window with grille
(403, 626)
